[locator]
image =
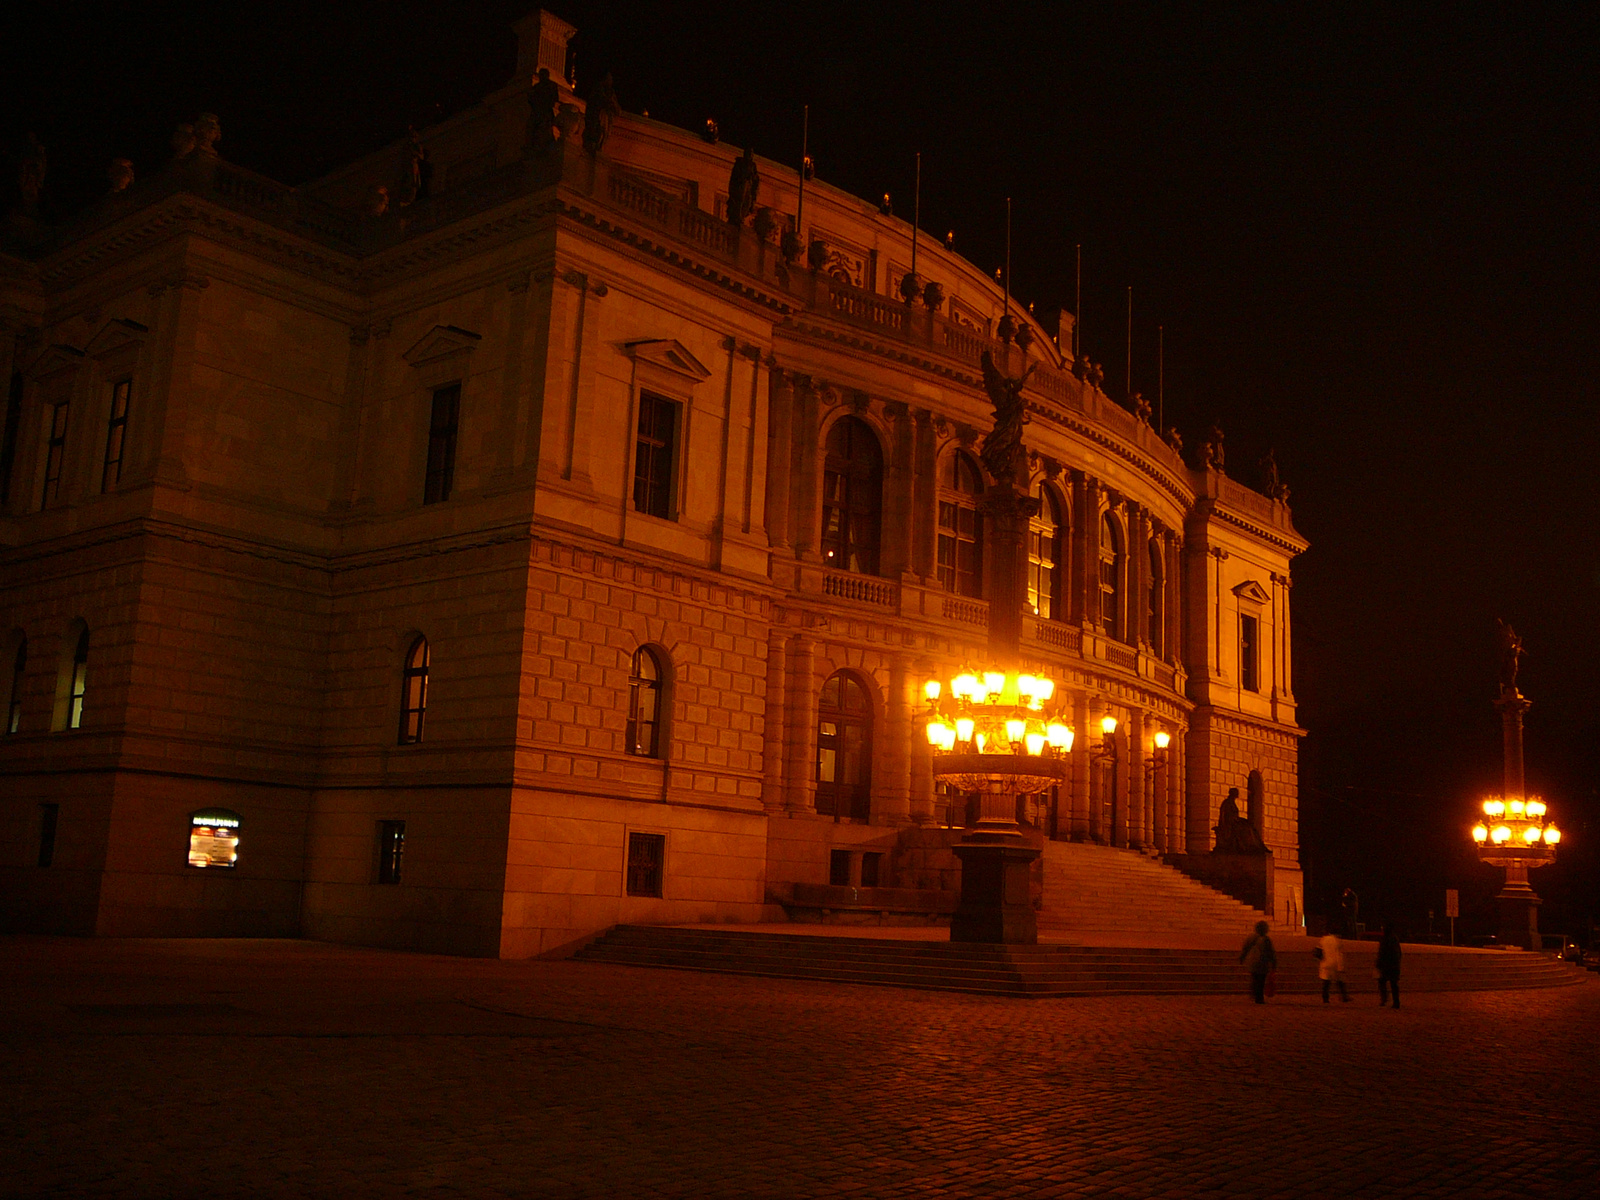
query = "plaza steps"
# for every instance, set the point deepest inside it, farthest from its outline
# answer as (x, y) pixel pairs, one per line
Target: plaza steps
(1092, 889)
(1044, 970)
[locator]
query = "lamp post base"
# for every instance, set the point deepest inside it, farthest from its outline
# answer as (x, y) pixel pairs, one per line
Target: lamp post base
(995, 906)
(1519, 916)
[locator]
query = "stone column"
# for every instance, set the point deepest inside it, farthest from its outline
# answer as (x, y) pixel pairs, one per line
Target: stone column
(1174, 597)
(1085, 519)
(1080, 820)
(780, 437)
(807, 524)
(800, 726)
(1138, 829)
(1137, 629)
(921, 797)
(895, 542)
(773, 741)
(924, 496)
(895, 792)
(1093, 743)
(1287, 686)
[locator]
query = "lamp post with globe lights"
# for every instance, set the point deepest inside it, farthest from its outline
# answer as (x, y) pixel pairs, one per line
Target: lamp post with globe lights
(1516, 833)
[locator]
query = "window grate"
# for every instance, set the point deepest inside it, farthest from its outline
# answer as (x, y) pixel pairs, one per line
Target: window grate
(647, 854)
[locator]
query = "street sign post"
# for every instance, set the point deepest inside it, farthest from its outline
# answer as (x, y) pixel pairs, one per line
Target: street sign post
(1452, 909)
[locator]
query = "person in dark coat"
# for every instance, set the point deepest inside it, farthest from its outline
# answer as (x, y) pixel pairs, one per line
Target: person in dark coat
(1389, 965)
(1259, 958)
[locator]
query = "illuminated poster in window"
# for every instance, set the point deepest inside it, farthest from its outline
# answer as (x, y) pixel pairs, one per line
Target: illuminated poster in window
(214, 838)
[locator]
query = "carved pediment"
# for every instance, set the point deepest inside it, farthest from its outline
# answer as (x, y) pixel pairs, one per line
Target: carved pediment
(115, 335)
(1253, 592)
(56, 357)
(441, 342)
(670, 355)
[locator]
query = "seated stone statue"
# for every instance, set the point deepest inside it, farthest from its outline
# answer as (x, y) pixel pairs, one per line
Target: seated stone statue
(1235, 835)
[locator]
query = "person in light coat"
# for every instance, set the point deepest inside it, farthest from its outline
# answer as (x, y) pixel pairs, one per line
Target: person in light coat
(1331, 971)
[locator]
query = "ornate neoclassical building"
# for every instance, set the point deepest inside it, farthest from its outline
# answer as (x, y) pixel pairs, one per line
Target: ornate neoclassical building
(534, 548)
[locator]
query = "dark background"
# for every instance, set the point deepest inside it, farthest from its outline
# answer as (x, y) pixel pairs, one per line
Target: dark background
(1367, 230)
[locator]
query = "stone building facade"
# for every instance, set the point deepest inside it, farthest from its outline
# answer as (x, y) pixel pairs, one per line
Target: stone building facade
(543, 551)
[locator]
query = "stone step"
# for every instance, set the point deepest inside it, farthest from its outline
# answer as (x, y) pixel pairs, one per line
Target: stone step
(1037, 970)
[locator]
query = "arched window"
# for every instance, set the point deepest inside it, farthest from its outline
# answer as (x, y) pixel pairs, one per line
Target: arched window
(960, 528)
(1110, 577)
(852, 497)
(1045, 556)
(844, 748)
(14, 707)
(1158, 599)
(645, 679)
(80, 681)
(414, 692)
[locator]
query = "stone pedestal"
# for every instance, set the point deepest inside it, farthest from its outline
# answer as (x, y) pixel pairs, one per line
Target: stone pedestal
(1519, 910)
(995, 906)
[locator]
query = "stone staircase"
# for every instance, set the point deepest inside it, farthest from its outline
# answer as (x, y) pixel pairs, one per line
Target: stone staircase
(1090, 889)
(1045, 970)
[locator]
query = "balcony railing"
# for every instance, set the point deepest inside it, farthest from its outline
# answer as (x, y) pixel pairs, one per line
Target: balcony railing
(863, 589)
(969, 612)
(1057, 635)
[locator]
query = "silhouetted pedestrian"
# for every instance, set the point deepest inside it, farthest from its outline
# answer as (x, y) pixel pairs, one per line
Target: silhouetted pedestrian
(1331, 971)
(1260, 959)
(1389, 965)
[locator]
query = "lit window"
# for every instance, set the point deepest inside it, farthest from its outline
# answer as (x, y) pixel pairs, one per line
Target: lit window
(1249, 654)
(391, 847)
(1158, 603)
(844, 748)
(442, 426)
(961, 529)
(14, 709)
(647, 853)
(214, 838)
(852, 491)
(55, 452)
(1110, 577)
(1044, 558)
(655, 451)
(414, 692)
(643, 734)
(80, 682)
(116, 431)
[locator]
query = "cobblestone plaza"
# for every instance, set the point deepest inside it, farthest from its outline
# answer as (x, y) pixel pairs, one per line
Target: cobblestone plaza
(225, 1068)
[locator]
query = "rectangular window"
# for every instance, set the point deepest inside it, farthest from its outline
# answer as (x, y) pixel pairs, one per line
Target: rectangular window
(655, 451)
(839, 868)
(1249, 655)
(646, 854)
(48, 815)
(391, 847)
(116, 430)
(56, 452)
(871, 868)
(442, 427)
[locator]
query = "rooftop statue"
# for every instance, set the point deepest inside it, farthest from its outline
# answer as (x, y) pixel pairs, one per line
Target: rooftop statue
(207, 132)
(1271, 484)
(603, 108)
(182, 142)
(1212, 454)
(30, 176)
(744, 182)
(543, 97)
(1002, 452)
(1510, 657)
(1141, 407)
(120, 175)
(1175, 440)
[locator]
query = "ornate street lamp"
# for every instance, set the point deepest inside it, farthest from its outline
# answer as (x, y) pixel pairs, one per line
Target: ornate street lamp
(1515, 834)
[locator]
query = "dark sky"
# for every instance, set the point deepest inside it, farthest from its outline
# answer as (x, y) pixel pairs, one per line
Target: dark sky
(1368, 231)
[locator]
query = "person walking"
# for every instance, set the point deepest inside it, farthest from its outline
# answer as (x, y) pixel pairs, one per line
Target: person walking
(1389, 965)
(1331, 971)
(1260, 959)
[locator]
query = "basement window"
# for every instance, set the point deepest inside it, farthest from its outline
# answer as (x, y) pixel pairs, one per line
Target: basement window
(647, 853)
(214, 838)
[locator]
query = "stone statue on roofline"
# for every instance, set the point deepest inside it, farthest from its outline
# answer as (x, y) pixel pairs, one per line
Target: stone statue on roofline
(120, 175)
(1141, 408)
(207, 132)
(1271, 483)
(1002, 452)
(30, 175)
(744, 184)
(603, 108)
(1212, 455)
(182, 142)
(543, 97)
(1175, 440)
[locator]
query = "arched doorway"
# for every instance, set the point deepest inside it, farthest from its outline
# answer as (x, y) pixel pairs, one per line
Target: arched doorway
(844, 748)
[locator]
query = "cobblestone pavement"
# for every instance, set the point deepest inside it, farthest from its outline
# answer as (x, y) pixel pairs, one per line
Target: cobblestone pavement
(288, 1068)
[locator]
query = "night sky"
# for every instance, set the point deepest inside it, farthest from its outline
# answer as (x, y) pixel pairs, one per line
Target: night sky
(1368, 231)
